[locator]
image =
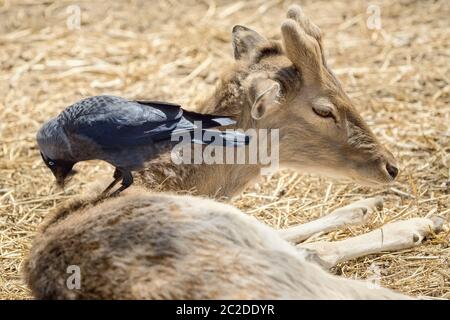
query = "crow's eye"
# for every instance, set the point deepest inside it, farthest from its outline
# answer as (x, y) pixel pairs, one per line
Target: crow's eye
(51, 163)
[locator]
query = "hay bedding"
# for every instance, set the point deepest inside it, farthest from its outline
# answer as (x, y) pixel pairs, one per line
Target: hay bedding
(170, 50)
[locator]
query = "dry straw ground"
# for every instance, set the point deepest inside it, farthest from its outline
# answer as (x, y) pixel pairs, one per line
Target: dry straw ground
(175, 50)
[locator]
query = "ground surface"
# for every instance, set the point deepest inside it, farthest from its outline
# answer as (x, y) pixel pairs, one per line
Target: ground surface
(175, 50)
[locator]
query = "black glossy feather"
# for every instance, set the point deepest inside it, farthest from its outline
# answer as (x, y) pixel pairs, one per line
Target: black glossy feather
(113, 122)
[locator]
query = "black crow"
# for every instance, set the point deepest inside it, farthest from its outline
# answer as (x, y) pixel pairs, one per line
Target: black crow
(123, 133)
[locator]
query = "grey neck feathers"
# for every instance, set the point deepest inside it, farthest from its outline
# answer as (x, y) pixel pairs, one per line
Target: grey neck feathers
(53, 141)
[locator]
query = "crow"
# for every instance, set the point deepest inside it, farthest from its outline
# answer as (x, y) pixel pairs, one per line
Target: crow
(123, 133)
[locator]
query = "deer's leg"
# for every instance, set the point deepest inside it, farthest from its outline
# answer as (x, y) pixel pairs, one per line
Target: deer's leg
(392, 236)
(355, 213)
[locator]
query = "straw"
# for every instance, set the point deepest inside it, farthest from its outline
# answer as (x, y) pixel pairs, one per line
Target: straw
(398, 77)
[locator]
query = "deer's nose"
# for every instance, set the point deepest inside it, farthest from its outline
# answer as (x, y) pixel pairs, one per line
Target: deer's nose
(392, 170)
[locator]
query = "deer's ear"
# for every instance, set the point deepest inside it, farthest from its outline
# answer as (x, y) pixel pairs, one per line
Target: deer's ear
(264, 95)
(245, 42)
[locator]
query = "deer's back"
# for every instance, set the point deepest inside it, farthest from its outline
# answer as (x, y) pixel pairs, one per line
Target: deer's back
(144, 246)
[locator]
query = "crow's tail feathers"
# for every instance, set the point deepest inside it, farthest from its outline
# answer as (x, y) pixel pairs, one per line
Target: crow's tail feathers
(208, 120)
(223, 138)
(227, 138)
(219, 138)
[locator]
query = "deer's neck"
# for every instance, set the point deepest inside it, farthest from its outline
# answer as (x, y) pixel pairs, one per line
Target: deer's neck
(230, 99)
(215, 181)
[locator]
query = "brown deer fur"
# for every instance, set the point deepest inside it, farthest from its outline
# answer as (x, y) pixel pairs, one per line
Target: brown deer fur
(159, 246)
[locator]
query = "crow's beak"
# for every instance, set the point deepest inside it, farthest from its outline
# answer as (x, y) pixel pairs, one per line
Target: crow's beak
(60, 176)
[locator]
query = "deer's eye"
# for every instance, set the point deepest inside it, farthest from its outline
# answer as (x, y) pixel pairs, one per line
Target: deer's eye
(323, 111)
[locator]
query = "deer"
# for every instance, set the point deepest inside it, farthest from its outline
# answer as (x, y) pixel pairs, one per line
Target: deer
(152, 242)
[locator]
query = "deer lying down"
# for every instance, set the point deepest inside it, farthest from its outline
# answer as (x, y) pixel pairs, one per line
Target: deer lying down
(158, 246)
(145, 245)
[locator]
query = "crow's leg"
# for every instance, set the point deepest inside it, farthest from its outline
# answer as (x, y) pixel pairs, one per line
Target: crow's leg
(127, 180)
(117, 176)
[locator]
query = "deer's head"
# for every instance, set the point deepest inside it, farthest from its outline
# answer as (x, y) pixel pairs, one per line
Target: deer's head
(290, 87)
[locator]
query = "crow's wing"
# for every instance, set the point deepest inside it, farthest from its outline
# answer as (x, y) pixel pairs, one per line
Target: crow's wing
(113, 122)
